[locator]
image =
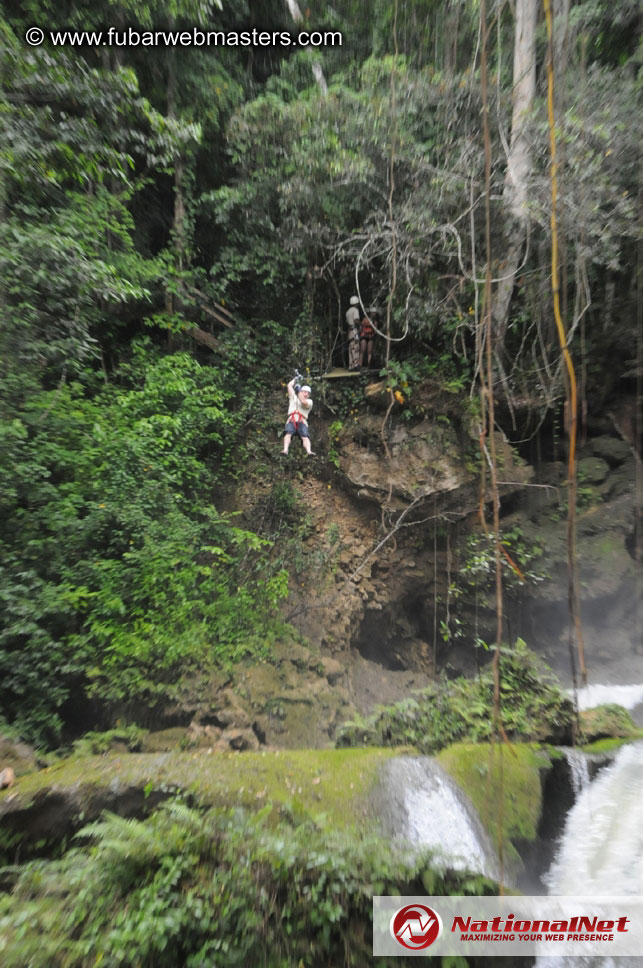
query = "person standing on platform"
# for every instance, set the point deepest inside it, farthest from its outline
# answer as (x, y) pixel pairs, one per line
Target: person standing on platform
(352, 325)
(367, 337)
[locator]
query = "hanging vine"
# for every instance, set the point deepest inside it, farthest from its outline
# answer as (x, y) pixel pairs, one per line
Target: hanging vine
(391, 216)
(488, 420)
(570, 384)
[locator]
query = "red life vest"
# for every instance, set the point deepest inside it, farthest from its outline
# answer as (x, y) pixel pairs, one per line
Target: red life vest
(366, 329)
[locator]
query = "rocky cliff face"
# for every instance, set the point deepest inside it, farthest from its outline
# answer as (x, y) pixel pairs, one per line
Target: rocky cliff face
(373, 565)
(609, 556)
(380, 590)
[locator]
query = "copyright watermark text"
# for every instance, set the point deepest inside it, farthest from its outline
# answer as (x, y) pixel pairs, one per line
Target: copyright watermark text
(194, 37)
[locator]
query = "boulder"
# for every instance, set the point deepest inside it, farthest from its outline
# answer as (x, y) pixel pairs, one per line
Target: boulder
(427, 460)
(552, 472)
(229, 711)
(611, 449)
(164, 739)
(237, 739)
(206, 735)
(592, 470)
(620, 481)
(232, 716)
(607, 721)
(20, 757)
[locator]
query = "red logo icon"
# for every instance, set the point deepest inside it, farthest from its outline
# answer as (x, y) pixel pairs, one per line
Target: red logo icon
(416, 926)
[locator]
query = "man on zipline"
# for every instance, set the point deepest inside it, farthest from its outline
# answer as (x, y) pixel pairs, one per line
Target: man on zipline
(299, 406)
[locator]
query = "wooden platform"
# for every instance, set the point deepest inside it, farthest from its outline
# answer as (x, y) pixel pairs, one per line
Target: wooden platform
(339, 372)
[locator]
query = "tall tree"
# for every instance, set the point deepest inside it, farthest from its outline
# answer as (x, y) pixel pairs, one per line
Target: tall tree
(519, 161)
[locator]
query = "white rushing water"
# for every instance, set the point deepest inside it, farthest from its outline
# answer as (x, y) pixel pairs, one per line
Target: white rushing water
(597, 695)
(426, 808)
(578, 769)
(602, 847)
(601, 852)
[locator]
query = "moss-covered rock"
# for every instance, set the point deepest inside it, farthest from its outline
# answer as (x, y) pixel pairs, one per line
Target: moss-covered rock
(332, 786)
(611, 449)
(607, 721)
(601, 748)
(592, 470)
(504, 783)
(293, 700)
(176, 737)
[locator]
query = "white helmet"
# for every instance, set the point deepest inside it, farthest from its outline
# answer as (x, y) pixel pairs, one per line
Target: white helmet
(306, 388)
(354, 301)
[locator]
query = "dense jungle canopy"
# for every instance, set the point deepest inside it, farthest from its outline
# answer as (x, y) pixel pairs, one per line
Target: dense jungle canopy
(181, 226)
(192, 194)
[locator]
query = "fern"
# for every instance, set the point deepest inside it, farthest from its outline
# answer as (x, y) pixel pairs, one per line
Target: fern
(222, 888)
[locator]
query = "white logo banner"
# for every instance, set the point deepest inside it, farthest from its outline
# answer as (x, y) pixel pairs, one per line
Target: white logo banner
(497, 926)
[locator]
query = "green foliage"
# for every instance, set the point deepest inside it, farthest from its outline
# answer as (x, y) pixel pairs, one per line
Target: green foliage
(117, 572)
(532, 707)
(334, 431)
(344, 398)
(319, 180)
(478, 566)
(131, 737)
(261, 193)
(222, 888)
(429, 376)
(402, 375)
(283, 503)
(475, 581)
(68, 171)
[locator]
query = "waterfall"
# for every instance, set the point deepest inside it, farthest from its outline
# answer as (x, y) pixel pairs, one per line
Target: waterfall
(424, 807)
(596, 695)
(601, 852)
(578, 769)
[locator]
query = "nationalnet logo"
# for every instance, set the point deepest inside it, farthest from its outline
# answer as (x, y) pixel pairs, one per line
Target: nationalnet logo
(415, 926)
(507, 926)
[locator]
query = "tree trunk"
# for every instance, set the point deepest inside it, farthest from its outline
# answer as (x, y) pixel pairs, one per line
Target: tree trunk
(178, 228)
(298, 17)
(201, 336)
(519, 161)
(561, 39)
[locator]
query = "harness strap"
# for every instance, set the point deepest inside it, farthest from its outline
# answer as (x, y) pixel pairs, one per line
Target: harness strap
(296, 417)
